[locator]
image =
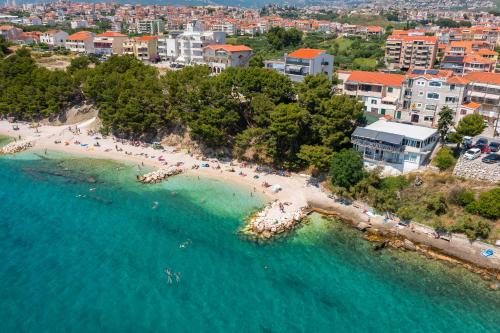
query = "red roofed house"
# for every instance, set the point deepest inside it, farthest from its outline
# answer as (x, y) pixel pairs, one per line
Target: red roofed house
(219, 57)
(81, 42)
(302, 62)
(484, 89)
(403, 52)
(10, 32)
(109, 43)
(144, 48)
(380, 92)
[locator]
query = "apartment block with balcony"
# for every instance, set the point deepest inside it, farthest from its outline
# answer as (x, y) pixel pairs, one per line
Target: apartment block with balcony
(150, 27)
(484, 89)
(405, 52)
(379, 92)
(426, 92)
(220, 57)
(187, 47)
(463, 57)
(143, 48)
(81, 42)
(54, 38)
(302, 62)
(109, 43)
(396, 145)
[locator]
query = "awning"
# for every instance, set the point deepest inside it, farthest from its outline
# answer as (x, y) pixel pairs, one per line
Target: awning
(390, 99)
(365, 133)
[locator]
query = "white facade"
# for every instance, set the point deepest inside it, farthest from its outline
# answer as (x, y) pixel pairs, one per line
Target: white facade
(187, 47)
(54, 38)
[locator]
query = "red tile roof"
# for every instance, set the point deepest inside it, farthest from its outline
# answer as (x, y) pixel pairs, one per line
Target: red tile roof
(429, 39)
(306, 53)
(111, 34)
(146, 38)
(81, 35)
(230, 48)
(457, 80)
(394, 80)
(484, 77)
(6, 27)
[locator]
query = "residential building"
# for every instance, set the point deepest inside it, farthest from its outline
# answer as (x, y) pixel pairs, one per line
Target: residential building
(220, 57)
(109, 43)
(302, 62)
(10, 32)
(404, 52)
(187, 47)
(469, 56)
(379, 92)
(400, 146)
(54, 38)
(484, 89)
(79, 24)
(425, 92)
(150, 27)
(81, 42)
(143, 48)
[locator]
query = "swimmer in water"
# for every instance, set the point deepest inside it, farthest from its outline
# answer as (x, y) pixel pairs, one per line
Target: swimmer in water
(169, 275)
(155, 205)
(177, 276)
(92, 189)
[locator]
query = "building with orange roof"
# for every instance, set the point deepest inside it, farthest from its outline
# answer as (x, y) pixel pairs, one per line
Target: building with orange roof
(10, 32)
(109, 43)
(426, 92)
(81, 42)
(219, 57)
(380, 92)
(144, 48)
(302, 62)
(484, 89)
(404, 52)
(468, 108)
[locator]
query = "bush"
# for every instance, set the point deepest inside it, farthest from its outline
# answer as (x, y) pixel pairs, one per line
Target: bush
(461, 196)
(436, 204)
(488, 204)
(472, 227)
(346, 168)
(444, 159)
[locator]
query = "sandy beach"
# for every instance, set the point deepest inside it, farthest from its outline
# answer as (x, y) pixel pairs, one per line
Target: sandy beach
(296, 192)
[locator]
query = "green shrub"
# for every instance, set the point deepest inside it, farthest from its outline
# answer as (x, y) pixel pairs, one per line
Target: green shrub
(346, 168)
(473, 227)
(488, 204)
(436, 203)
(444, 159)
(461, 197)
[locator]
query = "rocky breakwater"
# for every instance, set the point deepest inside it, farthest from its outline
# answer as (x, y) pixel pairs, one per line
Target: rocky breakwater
(16, 147)
(274, 219)
(159, 175)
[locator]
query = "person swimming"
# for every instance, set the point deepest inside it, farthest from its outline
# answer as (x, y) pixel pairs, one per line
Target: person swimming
(169, 275)
(155, 205)
(177, 276)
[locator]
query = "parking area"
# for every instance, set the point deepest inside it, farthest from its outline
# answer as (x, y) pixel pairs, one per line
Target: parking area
(481, 160)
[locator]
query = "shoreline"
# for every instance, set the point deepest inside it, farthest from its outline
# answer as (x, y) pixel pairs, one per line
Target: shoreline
(295, 191)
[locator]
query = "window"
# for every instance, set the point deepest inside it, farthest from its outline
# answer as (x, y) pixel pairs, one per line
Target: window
(419, 105)
(374, 101)
(421, 83)
(411, 157)
(432, 95)
(428, 118)
(390, 89)
(434, 84)
(452, 87)
(431, 107)
(382, 111)
(451, 99)
(463, 112)
(420, 93)
(374, 110)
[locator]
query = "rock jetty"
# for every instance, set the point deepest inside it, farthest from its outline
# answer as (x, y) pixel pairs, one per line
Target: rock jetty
(274, 219)
(159, 175)
(16, 147)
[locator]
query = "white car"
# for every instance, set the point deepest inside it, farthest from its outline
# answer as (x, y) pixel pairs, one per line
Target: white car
(472, 153)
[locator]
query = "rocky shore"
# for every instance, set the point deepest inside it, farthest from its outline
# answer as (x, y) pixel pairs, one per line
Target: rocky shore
(391, 239)
(16, 147)
(274, 219)
(159, 175)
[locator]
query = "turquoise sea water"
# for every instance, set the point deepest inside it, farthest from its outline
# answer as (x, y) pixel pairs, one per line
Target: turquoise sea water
(84, 248)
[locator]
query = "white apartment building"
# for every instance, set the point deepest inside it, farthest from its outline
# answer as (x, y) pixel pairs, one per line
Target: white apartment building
(220, 57)
(187, 47)
(426, 92)
(150, 27)
(379, 92)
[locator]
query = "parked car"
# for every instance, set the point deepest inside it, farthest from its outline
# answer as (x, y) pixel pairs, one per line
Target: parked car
(472, 153)
(494, 146)
(467, 142)
(491, 158)
(483, 147)
(482, 141)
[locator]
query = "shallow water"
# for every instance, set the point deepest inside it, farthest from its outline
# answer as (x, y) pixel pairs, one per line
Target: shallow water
(85, 248)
